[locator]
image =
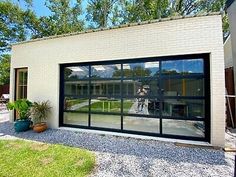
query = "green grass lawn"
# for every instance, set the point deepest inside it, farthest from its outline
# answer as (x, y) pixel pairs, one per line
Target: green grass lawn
(107, 106)
(26, 158)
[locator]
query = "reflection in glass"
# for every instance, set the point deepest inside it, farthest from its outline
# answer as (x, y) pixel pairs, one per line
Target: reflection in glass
(141, 124)
(184, 67)
(143, 106)
(76, 72)
(141, 87)
(106, 121)
(183, 108)
(183, 127)
(145, 69)
(105, 87)
(106, 71)
(22, 77)
(76, 88)
(183, 87)
(76, 118)
(104, 104)
(76, 104)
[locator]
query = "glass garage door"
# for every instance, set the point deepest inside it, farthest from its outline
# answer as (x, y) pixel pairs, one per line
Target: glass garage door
(165, 96)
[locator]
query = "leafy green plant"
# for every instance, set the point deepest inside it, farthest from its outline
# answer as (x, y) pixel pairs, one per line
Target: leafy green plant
(40, 111)
(22, 107)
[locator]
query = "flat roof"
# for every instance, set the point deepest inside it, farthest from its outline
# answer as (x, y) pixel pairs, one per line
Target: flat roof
(119, 26)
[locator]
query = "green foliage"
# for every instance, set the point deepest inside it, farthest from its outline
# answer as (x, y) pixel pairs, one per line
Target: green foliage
(16, 24)
(5, 69)
(141, 10)
(64, 18)
(40, 111)
(101, 13)
(22, 107)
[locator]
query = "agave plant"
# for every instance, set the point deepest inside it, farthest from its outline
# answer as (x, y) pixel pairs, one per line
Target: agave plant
(22, 107)
(40, 111)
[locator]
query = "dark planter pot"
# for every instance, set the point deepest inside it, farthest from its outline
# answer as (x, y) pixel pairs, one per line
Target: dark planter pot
(22, 125)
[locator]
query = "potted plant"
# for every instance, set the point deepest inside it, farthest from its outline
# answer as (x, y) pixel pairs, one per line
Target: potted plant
(22, 108)
(39, 112)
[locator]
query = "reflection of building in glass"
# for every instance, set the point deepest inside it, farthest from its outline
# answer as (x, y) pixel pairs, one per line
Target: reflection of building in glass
(105, 87)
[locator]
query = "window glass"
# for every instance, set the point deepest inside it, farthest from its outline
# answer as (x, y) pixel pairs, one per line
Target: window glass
(106, 121)
(182, 67)
(144, 69)
(21, 85)
(76, 88)
(183, 108)
(106, 71)
(183, 127)
(104, 104)
(105, 87)
(140, 124)
(76, 72)
(140, 87)
(142, 106)
(76, 104)
(76, 118)
(183, 87)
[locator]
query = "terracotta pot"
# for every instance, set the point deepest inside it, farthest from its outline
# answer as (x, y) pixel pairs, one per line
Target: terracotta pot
(40, 127)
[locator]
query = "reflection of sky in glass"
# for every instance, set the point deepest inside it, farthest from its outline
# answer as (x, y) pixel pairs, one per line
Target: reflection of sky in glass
(186, 66)
(79, 71)
(104, 71)
(153, 67)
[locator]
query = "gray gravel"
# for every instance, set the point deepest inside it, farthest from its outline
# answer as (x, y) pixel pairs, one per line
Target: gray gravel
(118, 156)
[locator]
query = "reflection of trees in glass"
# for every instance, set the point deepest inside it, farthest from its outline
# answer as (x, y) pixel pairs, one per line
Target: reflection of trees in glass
(166, 71)
(140, 71)
(137, 71)
(67, 73)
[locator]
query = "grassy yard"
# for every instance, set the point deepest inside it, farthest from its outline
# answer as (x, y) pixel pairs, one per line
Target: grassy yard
(107, 106)
(24, 158)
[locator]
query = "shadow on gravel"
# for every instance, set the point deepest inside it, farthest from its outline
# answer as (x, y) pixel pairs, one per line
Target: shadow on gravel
(145, 149)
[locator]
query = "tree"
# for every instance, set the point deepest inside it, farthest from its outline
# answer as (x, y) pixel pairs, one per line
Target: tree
(141, 10)
(64, 18)
(15, 24)
(102, 13)
(5, 69)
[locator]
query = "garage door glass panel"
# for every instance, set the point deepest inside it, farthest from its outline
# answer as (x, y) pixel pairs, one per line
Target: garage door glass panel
(140, 87)
(76, 88)
(76, 118)
(105, 87)
(183, 127)
(106, 71)
(76, 72)
(104, 104)
(183, 108)
(183, 67)
(141, 106)
(76, 104)
(142, 69)
(183, 87)
(105, 121)
(150, 125)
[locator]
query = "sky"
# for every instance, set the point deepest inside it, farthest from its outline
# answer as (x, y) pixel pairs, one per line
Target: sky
(40, 8)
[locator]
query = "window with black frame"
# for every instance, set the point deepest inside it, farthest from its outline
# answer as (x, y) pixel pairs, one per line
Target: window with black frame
(157, 96)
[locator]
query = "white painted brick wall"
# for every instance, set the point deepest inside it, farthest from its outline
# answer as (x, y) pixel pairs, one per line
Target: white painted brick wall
(176, 37)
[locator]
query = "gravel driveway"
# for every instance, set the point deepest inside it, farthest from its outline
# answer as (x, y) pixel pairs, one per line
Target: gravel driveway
(118, 156)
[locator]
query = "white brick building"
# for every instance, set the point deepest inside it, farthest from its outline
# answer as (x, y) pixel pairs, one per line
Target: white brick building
(159, 78)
